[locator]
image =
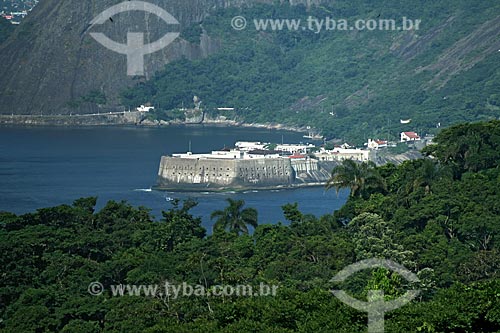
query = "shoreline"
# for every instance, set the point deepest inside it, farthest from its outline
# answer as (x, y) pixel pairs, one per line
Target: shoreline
(127, 119)
(235, 189)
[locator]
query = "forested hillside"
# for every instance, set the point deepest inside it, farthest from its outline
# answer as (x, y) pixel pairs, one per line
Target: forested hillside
(348, 84)
(343, 82)
(438, 216)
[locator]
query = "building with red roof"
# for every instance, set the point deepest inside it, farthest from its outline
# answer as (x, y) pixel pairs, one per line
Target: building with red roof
(409, 136)
(376, 144)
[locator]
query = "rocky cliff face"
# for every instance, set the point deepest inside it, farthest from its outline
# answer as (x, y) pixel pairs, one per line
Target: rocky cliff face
(51, 62)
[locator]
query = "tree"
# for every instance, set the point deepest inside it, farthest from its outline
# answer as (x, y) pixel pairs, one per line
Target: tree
(360, 178)
(176, 227)
(375, 238)
(422, 175)
(468, 147)
(234, 218)
(180, 226)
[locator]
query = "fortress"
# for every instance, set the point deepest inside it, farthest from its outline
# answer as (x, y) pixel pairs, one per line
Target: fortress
(243, 168)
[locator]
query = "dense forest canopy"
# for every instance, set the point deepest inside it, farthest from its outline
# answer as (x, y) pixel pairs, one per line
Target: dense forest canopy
(437, 216)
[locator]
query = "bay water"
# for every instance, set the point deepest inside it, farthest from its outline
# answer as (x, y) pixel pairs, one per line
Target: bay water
(48, 166)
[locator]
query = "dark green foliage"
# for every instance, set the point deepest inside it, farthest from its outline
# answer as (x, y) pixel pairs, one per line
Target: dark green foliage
(192, 34)
(234, 218)
(362, 179)
(468, 147)
(446, 229)
(93, 97)
(176, 227)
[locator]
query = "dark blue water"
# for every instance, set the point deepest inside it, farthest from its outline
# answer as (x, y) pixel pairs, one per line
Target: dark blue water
(44, 167)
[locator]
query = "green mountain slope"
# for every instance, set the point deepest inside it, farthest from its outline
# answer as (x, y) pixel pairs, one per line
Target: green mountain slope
(350, 84)
(52, 65)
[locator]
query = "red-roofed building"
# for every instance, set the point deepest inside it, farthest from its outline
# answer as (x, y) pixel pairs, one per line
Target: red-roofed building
(409, 136)
(376, 144)
(297, 157)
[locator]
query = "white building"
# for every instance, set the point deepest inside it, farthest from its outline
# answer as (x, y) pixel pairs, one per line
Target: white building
(341, 154)
(409, 137)
(227, 155)
(143, 108)
(216, 154)
(376, 144)
(290, 148)
(249, 145)
(295, 148)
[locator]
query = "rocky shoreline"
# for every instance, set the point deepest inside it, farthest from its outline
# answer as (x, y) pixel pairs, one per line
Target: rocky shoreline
(129, 119)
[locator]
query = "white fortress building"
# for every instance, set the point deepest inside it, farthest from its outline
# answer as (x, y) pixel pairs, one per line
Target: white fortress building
(289, 148)
(253, 165)
(341, 154)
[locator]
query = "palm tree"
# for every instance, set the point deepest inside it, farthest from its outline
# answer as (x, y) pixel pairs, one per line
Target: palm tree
(234, 218)
(428, 173)
(359, 177)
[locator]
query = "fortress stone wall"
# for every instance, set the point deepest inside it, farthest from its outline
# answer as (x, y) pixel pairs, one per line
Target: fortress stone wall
(312, 171)
(198, 174)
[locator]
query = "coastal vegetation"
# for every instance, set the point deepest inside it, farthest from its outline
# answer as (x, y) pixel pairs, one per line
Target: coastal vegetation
(361, 179)
(438, 216)
(235, 218)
